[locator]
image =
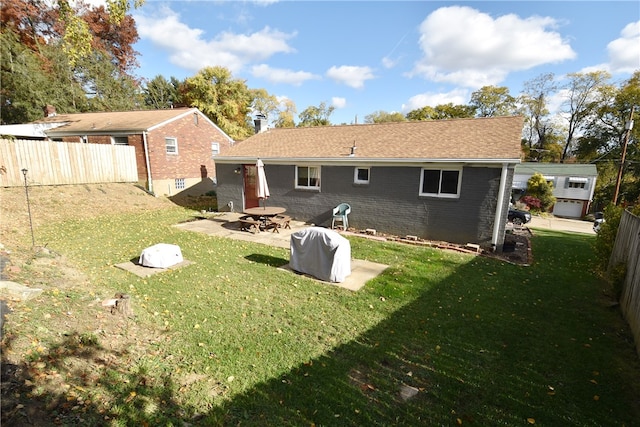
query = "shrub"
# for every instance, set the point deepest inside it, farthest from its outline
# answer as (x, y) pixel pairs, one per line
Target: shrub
(539, 188)
(531, 202)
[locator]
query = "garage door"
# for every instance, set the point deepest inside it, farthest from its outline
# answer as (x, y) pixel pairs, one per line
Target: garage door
(568, 208)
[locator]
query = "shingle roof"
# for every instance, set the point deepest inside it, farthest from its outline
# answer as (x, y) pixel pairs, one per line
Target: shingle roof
(568, 169)
(133, 121)
(488, 139)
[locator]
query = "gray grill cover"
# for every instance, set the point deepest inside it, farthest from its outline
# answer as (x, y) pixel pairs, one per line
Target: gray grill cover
(322, 253)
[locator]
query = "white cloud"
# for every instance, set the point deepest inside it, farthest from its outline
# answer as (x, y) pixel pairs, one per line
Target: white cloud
(456, 97)
(466, 47)
(352, 76)
(280, 75)
(624, 52)
(338, 102)
(188, 48)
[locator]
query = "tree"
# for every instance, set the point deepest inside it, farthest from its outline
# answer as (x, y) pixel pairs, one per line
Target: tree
(286, 111)
(264, 104)
(160, 93)
(442, 112)
(538, 187)
(384, 117)
(316, 116)
(534, 100)
(492, 101)
(582, 91)
(225, 100)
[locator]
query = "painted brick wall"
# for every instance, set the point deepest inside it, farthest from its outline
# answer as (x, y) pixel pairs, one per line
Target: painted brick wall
(389, 203)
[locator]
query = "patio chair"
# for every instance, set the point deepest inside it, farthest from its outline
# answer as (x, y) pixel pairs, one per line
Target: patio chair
(340, 213)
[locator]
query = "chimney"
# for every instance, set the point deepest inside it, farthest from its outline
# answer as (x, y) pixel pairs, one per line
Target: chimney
(49, 111)
(260, 123)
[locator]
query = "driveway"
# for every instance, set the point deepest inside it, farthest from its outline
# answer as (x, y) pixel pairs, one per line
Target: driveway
(562, 224)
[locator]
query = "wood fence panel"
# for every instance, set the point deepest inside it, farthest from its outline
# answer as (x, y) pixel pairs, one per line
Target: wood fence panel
(627, 250)
(57, 163)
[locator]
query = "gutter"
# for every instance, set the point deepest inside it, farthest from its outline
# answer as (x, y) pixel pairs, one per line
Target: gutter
(146, 159)
(497, 220)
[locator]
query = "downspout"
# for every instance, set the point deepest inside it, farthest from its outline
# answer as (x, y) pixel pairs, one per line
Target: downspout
(146, 159)
(497, 222)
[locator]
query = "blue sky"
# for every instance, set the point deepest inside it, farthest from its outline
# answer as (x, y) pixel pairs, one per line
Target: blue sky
(366, 56)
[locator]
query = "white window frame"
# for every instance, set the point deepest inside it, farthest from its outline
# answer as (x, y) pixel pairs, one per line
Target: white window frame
(180, 183)
(115, 138)
(439, 193)
(215, 149)
(308, 187)
(357, 180)
(171, 141)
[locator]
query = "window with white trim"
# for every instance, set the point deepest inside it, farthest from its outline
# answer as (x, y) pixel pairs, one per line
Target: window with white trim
(361, 176)
(440, 182)
(119, 140)
(308, 177)
(179, 183)
(171, 145)
(215, 149)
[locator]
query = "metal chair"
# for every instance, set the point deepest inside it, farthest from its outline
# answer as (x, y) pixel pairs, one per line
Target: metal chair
(340, 213)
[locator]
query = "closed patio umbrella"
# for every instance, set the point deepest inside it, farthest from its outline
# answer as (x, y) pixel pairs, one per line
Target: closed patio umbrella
(262, 188)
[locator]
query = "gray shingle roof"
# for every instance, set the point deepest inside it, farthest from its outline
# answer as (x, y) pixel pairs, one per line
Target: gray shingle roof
(479, 139)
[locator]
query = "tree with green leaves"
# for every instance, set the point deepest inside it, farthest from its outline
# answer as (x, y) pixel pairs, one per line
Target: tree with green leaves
(316, 115)
(442, 112)
(538, 187)
(160, 93)
(225, 100)
(384, 117)
(493, 101)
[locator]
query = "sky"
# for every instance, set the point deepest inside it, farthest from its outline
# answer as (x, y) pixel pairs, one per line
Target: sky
(394, 56)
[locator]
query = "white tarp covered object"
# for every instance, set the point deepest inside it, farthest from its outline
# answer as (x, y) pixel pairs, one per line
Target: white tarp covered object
(322, 253)
(162, 255)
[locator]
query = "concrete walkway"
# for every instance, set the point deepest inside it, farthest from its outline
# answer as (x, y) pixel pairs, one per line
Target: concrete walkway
(561, 224)
(226, 225)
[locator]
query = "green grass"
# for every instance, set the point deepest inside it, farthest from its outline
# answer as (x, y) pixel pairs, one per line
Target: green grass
(235, 340)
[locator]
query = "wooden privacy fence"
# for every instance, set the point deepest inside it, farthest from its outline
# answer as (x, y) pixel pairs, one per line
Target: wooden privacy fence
(627, 250)
(55, 163)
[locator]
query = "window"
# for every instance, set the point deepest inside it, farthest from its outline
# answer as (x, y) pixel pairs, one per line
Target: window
(361, 176)
(171, 145)
(308, 177)
(179, 184)
(119, 140)
(440, 182)
(577, 182)
(215, 149)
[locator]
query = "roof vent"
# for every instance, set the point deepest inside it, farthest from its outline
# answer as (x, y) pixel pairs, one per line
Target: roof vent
(353, 150)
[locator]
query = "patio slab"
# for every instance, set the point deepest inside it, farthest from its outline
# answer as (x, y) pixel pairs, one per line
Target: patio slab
(226, 225)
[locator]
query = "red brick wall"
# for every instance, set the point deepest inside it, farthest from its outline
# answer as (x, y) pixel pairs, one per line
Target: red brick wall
(194, 158)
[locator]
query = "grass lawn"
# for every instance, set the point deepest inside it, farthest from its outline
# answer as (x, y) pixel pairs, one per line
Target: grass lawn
(440, 338)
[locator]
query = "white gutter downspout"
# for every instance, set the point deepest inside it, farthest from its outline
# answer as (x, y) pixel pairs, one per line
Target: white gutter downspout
(497, 222)
(146, 159)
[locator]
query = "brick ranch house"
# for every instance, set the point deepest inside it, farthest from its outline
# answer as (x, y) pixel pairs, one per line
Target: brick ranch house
(175, 148)
(447, 180)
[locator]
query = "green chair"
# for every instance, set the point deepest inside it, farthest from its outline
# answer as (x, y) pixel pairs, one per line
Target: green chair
(340, 213)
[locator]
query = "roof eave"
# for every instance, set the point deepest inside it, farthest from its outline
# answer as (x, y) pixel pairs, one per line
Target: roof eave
(352, 160)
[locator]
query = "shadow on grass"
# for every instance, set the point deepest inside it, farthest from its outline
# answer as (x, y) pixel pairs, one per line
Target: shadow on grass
(269, 260)
(477, 348)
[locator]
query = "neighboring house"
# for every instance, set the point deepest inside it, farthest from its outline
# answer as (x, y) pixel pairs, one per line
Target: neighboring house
(573, 185)
(446, 180)
(175, 148)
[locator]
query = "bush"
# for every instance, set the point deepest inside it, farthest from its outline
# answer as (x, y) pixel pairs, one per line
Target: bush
(539, 188)
(532, 203)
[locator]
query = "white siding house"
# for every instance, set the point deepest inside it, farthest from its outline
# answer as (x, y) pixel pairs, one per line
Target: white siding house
(573, 185)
